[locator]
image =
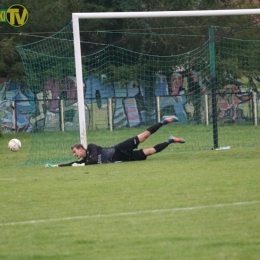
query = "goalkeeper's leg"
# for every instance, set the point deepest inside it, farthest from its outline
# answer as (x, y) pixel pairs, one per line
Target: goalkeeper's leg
(160, 147)
(152, 129)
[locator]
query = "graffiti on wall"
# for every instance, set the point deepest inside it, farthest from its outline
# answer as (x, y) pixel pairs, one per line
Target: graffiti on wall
(24, 110)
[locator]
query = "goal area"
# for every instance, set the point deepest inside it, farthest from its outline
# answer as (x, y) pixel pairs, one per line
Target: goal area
(104, 86)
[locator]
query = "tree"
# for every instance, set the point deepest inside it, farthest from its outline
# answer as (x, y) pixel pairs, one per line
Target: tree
(161, 42)
(47, 17)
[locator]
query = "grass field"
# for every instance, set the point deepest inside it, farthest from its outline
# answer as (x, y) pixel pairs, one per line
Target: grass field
(179, 205)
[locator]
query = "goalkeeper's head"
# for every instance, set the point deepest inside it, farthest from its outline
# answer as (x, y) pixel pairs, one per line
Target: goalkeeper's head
(79, 151)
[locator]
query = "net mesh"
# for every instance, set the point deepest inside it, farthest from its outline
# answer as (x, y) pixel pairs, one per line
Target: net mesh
(125, 91)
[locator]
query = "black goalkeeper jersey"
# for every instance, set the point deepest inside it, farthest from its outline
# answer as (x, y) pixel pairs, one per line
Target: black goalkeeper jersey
(122, 152)
(95, 155)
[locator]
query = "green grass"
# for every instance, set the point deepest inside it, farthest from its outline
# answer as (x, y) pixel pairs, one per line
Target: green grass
(175, 205)
(55, 147)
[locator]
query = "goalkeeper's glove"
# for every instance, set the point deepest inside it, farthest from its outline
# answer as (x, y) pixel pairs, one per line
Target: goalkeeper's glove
(49, 165)
(78, 164)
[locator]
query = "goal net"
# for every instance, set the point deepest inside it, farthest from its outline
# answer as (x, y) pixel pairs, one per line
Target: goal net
(125, 81)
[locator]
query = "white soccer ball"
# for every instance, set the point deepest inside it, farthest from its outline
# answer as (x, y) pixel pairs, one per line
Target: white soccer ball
(14, 145)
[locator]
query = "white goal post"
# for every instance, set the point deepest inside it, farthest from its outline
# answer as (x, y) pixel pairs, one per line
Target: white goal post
(116, 15)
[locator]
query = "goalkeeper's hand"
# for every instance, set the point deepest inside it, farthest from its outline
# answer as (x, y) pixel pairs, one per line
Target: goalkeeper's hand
(49, 165)
(78, 164)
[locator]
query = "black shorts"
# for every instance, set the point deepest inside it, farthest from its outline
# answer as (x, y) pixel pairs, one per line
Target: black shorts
(125, 151)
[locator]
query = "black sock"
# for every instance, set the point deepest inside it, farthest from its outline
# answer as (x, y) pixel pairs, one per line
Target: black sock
(170, 141)
(152, 129)
(159, 147)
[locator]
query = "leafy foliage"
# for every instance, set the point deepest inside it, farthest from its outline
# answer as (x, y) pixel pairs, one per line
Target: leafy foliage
(47, 17)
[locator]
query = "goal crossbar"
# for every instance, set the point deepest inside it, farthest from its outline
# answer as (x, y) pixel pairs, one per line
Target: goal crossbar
(111, 15)
(122, 15)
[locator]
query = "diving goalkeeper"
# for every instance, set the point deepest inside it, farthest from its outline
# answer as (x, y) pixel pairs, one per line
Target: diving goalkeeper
(122, 152)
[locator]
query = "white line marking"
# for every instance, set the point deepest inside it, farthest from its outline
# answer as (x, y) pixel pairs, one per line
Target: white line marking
(126, 213)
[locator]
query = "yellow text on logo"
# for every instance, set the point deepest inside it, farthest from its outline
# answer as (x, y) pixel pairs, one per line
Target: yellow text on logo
(17, 15)
(2, 15)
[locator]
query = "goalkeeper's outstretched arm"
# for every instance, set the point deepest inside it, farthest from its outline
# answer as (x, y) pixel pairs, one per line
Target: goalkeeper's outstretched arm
(75, 163)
